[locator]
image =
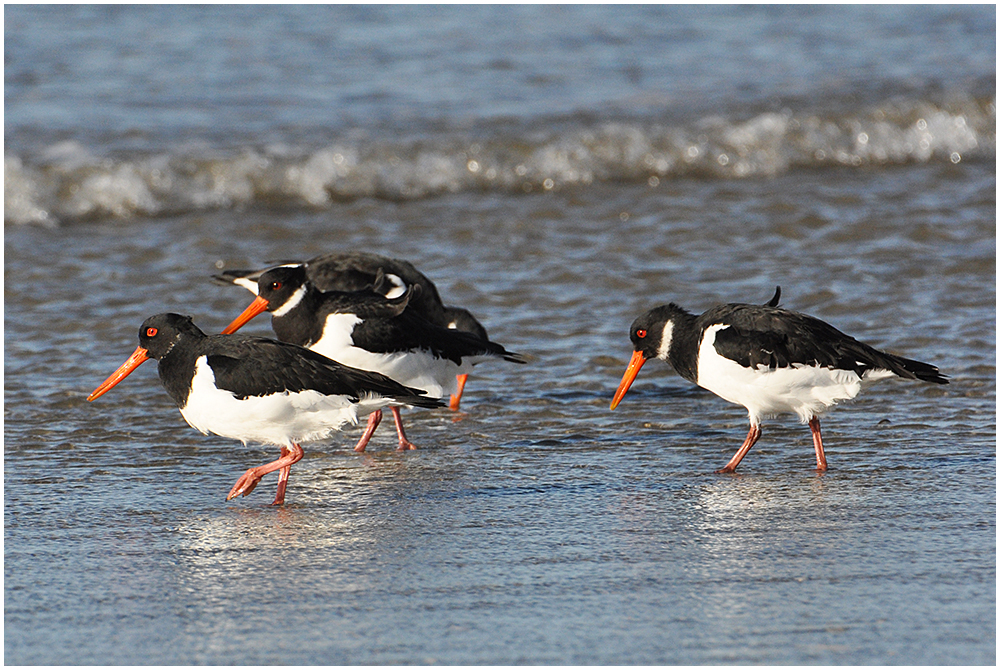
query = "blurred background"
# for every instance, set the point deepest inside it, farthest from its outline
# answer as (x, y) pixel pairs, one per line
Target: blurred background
(135, 112)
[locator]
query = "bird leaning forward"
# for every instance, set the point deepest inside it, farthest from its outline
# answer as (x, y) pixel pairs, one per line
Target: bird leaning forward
(260, 390)
(768, 359)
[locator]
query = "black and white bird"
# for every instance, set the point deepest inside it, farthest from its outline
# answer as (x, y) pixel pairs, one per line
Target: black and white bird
(768, 359)
(366, 330)
(357, 270)
(260, 390)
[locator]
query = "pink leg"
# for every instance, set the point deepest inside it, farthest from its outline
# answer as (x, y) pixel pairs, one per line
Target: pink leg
(751, 440)
(404, 443)
(456, 398)
(818, 443)
(245, 484)
(373, 421)
(279, 497)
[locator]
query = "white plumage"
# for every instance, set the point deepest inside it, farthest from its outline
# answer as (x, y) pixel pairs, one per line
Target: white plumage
(770, 360)
(806, 390)
(280, 418)
(418, 369)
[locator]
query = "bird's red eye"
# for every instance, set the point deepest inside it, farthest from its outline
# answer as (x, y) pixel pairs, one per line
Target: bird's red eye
(275, 285)
(151, 332)
(640, 333)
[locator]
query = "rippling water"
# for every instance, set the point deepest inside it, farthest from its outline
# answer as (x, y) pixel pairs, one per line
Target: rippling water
(536, 526)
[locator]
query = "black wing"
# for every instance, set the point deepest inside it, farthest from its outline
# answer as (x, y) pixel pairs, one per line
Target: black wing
(411, 332)
(774, 337)
(355, 271)
(252, 366)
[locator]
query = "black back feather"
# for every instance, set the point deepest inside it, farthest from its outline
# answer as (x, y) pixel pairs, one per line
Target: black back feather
(251, 366)
(774, 337)
(354, 271)
(411, 332)
(255, 366)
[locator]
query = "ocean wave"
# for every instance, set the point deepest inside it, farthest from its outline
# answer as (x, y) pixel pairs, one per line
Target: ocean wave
(69, 181)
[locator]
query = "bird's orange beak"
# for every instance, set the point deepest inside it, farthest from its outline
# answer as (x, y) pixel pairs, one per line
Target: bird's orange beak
(638, 360)
(256, 307)
(138, 357)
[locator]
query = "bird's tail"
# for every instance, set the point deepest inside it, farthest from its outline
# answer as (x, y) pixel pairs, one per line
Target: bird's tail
(409, 397)
(514, 357)
(419, 400)
(910, 369)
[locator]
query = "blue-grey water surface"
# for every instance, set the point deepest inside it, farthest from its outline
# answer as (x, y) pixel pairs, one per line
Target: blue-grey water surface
(556, 170)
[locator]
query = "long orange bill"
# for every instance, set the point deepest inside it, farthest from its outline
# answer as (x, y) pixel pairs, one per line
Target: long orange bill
(638, 359)
(138, 357)
(256, 307)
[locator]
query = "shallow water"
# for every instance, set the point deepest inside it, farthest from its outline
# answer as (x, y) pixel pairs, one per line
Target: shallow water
(536, 526)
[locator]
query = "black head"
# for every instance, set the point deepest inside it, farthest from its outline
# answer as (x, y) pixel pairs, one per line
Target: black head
(279, 290)
(159, 334)
(652, 336)
(283, 286)
(652, 332)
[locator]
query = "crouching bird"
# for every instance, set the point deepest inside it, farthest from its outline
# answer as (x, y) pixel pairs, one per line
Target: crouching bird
(367, 330)
(256, 389)
(357, 270)
(768, 359)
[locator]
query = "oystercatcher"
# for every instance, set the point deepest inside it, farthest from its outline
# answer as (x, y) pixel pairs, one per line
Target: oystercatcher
(367, 330)
(356, 270)
(251, 388)
(768, 359)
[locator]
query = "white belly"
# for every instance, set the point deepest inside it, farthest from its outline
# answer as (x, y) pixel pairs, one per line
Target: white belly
(806, 390)
(417, 369)
(280, 418)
